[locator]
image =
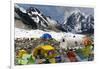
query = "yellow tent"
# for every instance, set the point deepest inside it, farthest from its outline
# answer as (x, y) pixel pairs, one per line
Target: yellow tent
(47, 47)
(21, 53)
(44, 51)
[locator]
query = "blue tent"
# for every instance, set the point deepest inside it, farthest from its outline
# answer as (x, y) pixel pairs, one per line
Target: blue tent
(46, 36)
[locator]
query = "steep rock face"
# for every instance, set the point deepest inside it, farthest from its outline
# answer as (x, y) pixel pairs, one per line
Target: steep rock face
(88, 26)
(77, 22)
(25, 18)
(36, 20)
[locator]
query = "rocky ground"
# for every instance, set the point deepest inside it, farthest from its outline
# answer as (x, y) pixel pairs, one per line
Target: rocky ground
(30, 43)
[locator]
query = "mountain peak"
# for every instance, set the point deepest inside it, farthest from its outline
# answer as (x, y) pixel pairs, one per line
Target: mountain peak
(76, 22)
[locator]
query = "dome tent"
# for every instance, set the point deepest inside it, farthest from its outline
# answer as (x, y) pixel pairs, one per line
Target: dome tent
(46, 36)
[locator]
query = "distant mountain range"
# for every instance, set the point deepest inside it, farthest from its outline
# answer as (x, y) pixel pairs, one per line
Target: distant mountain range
(77, 22)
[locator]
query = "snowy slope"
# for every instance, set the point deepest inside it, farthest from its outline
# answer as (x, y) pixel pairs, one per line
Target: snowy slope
(21, 33)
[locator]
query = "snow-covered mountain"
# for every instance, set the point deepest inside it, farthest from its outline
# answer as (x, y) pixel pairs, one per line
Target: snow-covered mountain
(78, 22)
(35, 19)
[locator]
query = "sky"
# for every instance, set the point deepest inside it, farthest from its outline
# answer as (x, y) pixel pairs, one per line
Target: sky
(58, 13)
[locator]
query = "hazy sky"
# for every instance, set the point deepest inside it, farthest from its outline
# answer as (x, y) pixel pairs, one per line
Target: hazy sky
(59, 13)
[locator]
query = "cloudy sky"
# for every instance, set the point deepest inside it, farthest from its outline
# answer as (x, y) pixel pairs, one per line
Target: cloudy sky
(58, 13)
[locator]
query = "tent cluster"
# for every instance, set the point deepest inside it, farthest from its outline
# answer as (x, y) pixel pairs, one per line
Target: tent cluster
(46, 53)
